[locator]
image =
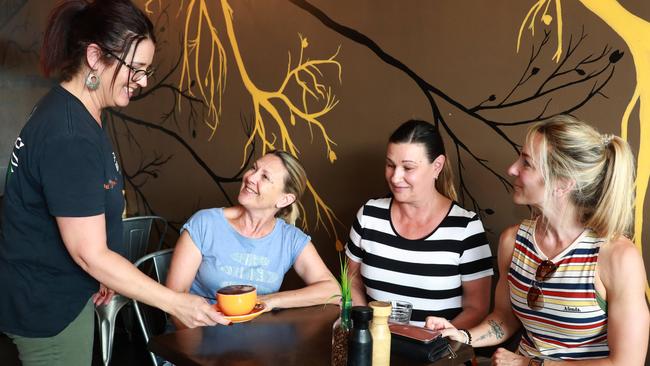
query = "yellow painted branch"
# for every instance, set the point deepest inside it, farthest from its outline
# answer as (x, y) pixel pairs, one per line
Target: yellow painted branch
(630, 28)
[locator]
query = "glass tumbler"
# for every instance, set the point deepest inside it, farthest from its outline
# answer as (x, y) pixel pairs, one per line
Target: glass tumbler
(400, 312)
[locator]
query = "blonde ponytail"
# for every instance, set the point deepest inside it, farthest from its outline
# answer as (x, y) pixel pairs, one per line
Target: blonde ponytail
(290, 214)
(602, 167)
(613, 214)
(295, 183)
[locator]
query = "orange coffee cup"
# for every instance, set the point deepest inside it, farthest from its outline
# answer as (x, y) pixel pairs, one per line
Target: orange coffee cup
(236, 299)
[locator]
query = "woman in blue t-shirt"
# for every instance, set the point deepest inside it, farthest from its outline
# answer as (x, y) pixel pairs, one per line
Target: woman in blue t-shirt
(254, 242)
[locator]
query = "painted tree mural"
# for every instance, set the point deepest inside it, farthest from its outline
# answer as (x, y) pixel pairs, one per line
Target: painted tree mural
(629, 27)
(306, 95)
(210, 75)
(210, 88)
(205, 63)
(203, 75)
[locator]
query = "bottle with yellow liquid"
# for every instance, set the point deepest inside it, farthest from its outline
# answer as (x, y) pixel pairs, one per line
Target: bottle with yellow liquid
(380, 333)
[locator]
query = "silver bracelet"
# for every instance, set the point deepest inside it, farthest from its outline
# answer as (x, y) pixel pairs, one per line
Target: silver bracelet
(468, 336)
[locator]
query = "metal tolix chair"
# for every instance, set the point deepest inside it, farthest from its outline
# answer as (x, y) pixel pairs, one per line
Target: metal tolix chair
(135, 236)
(156, 265)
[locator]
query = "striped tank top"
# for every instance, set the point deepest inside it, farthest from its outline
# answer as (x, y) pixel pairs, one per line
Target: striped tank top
(572, 324)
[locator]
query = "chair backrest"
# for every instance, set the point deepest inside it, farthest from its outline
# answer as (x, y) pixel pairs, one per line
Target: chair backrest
(136, 233)
(160, 261)
(156, 265)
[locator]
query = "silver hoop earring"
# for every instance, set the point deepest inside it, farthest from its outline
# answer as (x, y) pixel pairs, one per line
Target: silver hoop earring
(92, 81)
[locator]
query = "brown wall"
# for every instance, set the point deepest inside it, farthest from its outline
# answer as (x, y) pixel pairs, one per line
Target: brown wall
(398, 59)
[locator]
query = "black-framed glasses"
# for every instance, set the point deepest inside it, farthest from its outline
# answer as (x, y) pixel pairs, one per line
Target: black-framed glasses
(535, 297)
(137, 74)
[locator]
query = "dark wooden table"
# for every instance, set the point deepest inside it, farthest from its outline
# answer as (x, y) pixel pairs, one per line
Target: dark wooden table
(301, 336)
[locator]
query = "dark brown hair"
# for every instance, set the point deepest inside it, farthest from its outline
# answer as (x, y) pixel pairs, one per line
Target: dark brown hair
(422, 132)
(113, 25)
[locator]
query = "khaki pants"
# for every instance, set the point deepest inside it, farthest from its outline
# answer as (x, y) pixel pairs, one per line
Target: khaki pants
(72, 347)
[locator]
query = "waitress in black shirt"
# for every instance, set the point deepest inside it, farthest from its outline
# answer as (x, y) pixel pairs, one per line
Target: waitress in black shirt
(63, 202)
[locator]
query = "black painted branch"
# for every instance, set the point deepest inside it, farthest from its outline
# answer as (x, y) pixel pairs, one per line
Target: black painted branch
(362, 39)
(216, 178)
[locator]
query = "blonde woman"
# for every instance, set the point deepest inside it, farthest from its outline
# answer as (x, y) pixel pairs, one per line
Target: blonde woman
(254, 242)
(570, 276)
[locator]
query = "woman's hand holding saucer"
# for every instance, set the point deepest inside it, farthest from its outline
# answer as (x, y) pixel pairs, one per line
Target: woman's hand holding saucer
(195, 311)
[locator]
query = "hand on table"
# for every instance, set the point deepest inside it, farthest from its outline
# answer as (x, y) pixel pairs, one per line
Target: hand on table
(194, 311)
(103, 296)
(445, 327)
(503, 357)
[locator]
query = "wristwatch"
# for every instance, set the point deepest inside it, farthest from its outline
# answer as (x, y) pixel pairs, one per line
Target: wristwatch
(536, 361)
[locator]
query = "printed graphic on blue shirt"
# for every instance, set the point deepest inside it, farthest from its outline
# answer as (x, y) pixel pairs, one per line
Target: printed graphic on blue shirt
(250, 268)
(229, 258)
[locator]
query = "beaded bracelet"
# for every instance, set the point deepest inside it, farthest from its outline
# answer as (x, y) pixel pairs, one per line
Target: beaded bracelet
(468, 336)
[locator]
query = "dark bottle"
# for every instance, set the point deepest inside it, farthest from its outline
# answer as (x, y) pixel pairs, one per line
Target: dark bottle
(360, 341)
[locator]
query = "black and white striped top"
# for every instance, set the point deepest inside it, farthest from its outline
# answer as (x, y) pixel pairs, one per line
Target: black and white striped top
(426, 272)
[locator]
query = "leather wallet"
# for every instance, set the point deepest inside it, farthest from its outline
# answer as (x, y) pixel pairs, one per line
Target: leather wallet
(429, 351)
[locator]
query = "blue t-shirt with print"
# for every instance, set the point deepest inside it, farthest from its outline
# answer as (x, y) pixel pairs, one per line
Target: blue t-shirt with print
(229, 258)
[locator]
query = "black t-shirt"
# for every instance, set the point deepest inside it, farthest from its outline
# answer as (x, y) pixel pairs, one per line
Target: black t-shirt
(62, 165)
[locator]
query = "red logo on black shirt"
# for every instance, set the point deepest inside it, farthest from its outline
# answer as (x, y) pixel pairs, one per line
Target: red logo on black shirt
(111, 183)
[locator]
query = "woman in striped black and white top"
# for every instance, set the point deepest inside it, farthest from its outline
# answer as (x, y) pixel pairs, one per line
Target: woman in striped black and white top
(419, 245)
(574, 281)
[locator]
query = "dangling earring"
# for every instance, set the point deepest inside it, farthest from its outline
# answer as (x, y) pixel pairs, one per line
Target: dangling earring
(92, 81)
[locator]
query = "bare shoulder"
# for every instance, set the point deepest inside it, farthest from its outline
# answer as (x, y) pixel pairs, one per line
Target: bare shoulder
(620, 252)
(507, 245)
(509, 233)
(507, 238)
(620, 261)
